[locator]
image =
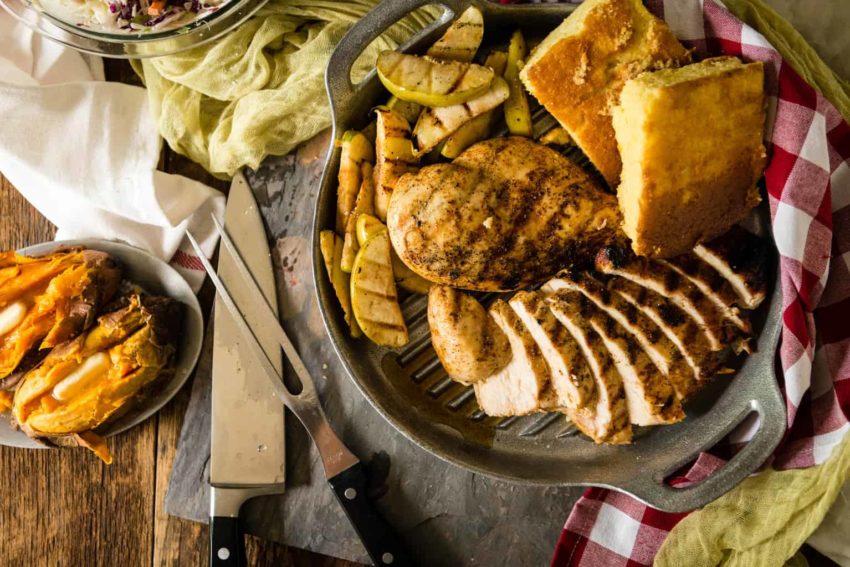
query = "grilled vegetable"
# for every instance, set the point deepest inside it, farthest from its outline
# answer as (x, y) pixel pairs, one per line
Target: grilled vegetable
(363, 205)
(435, 124)
(461, 40)
(367, 227)
(517, 114)
(84, 382)
(48, 300)
(373, 294)
(395, 156)
(331, 245)
(429, 82)
(356, 150)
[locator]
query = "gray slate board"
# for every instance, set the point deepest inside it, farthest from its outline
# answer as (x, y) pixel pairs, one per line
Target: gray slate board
(447, 515)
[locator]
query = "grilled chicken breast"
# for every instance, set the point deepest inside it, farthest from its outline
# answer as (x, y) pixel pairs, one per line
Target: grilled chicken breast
(571, 379)
(660, 349)
(740, 257)
(520, 387)
(606, 421)
(507, 213)
(467, 340)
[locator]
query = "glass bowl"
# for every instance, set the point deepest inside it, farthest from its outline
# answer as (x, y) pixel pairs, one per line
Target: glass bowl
(134, 45)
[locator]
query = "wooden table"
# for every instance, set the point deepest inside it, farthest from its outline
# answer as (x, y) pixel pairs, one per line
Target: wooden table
(65, 507)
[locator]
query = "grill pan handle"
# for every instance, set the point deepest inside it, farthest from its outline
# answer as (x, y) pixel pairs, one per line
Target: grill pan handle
(763, 398)
(341, 90)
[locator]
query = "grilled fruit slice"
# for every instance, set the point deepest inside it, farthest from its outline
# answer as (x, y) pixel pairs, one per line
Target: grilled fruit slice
(356, 150)
(467, 340)
(521, 387)
(507, 213)
(395, 156)
(607, 421)
(331, 245)
(429, 82)
(571, 379)
(373, 294)
(48, 300)
(364, 205)
(461, 40)
(517, 113)
(84, 382)
(407, 279)
(435, 124)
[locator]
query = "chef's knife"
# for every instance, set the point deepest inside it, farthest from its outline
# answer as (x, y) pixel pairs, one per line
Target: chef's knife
(247, 442)
(343, 470)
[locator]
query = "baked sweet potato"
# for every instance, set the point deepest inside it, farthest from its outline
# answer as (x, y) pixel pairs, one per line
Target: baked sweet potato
(85, 381)
(49, 300)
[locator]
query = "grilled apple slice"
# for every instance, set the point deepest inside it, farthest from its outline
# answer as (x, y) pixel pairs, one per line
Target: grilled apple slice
(331, 246)
(435, 124)
(395, 156)
(408, 110)
(368, 226)
(461, 40)
(356, 149)
(517, 113)
(430, 82)
(363, 205)
(373, 293)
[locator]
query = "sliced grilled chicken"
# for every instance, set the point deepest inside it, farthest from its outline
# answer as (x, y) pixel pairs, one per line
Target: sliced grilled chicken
(688, 337)
(649, 395)
(741, 257)
(660, 349)
(520, 387)
(467, 340)
(618, 261)
(606, 421)
(712, 285)
(571, 379)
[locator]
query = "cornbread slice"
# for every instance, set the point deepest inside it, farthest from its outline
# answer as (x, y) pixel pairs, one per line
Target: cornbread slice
(577, 72)
(691, 143)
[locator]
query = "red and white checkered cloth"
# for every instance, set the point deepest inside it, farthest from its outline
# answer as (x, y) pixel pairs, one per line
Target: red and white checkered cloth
(808, 183)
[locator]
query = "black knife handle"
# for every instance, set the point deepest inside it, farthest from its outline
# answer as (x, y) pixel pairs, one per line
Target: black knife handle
(381, 542)
(227, 544)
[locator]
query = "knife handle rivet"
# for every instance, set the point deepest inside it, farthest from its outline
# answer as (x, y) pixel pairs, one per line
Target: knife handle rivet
(223, 553)
(387, 558)
(350, 493)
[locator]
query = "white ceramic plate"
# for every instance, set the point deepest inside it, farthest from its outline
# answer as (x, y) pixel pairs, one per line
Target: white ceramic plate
(156, 277)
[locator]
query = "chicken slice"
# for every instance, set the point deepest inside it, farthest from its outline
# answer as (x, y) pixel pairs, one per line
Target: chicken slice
(741, 257)
(467, 340)
(660, 349)
(618, 261)
(571, 379)
(712, 285)
(691, 341)
(520, 387)
(606, 421)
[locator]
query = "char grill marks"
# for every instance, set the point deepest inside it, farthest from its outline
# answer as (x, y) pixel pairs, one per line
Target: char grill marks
(623, 346)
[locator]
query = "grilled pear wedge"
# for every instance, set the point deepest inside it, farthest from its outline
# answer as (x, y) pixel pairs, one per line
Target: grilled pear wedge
(373, 293)
(429, 82)
(395, 156)
(356, 150)
(331, 245)
(461, 40)
(407, 279)
(517, 113)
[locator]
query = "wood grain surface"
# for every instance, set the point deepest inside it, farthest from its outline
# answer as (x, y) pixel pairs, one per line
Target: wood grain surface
(65, 507)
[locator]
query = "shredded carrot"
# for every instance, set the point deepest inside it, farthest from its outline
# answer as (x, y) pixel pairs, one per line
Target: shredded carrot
(156, 7)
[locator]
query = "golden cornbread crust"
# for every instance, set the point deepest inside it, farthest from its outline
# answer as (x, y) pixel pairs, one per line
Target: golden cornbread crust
(691, 140)
(578, 71)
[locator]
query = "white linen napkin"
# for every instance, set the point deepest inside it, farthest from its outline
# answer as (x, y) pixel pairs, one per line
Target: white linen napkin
(84, 153)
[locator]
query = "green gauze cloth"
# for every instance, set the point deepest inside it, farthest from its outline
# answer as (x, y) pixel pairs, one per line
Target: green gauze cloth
(258, 90)
(764, 521)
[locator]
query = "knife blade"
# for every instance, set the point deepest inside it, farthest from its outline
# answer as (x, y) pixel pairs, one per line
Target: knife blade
(247, 431)
(344, 472)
